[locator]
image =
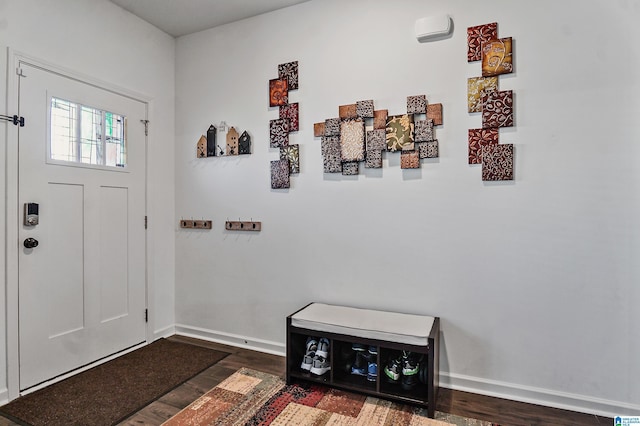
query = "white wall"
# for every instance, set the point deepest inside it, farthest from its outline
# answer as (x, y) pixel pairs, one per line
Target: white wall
(100, 40)
(535, 280)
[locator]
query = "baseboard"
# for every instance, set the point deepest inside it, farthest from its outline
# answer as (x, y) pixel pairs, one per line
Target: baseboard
(4, 396)
(164, 332)
(260, 345)
(539, 396)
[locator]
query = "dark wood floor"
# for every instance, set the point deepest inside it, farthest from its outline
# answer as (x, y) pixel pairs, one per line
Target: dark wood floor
(496, 410)
(461, 403)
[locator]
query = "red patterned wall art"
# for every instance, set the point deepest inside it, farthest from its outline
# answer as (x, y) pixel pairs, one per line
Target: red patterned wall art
(478, 35)
(278, 92)
(479, 138)
(496, 107)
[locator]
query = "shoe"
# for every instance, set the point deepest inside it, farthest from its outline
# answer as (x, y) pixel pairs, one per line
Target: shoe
(323, 348)
(311, 347)
(359, 367)
(410, 368)
(372, 371)
(393, 369)
(373, 350)
(358, 347)
(320, 366)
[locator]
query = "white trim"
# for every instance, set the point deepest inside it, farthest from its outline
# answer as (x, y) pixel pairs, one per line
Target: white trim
(75, 75)
(11, 229)
(245, 342)
(164, 333)
(4, 396)
(539, 396)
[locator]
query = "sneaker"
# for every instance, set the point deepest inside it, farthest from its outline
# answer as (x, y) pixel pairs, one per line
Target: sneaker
(320, 366)
(323, 348)
(392, 369)
(359, 367)
(307, 360)
(373, 350)
(372, 371)
(358, 347)
(410, 368)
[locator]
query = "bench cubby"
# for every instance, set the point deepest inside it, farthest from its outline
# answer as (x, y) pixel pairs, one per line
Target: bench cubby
(387, 333)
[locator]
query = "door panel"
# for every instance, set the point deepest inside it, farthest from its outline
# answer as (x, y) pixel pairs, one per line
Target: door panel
(82, 290)
(113, 256)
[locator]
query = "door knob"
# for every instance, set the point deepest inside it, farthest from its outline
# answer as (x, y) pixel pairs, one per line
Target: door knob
(31, 243)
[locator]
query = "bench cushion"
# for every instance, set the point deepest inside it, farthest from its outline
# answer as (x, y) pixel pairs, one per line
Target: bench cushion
(365, 323)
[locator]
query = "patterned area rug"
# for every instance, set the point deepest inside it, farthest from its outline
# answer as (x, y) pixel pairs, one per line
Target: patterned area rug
(250, 397)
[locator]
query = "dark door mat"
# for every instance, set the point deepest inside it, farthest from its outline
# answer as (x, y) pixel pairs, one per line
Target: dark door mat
(111, 392)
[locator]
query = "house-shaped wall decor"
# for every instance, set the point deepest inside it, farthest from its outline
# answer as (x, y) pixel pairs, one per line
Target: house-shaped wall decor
(201, 150)
(211, 141)
(232, 141)
(244, 143)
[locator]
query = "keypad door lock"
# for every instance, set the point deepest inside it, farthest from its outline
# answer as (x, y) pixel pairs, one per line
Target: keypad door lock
(31, 217)
(30, 243)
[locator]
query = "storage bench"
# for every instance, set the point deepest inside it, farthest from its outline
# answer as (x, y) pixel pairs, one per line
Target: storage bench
(387, 333)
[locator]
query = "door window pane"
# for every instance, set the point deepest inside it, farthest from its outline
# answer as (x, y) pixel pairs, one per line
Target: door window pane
(87, 135)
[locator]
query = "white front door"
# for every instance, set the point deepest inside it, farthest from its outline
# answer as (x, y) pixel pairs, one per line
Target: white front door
(82, 290)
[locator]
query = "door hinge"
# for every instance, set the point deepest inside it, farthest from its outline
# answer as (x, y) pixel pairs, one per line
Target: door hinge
(146, 315)
(146, 222)
(146, 127)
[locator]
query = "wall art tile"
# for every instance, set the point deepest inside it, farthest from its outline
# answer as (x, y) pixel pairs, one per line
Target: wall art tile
(417, 104)
(289, 72)
(331, 154)
(479, 138)
(332, 127)
(477, 87)
(364, 109)
(280, 174)
(380, 119)
(409, 160)
(347, 111)
(350, 168)
(497, 109)
(292, 154)
(399, 133)
(244, 143)
(434, 112)
(428, 149)
(497, 57)
(279, 132)
(478, 35)
(318, 129)
(376, 140)
(423, 131)
(278, 92)
(373, 159)
(352, 140)
(290, 111)
(497, 162)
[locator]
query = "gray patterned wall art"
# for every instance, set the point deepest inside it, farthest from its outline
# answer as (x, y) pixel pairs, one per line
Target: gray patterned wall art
(361, 133)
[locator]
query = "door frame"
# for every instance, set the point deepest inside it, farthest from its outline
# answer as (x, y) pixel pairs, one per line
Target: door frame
(13, 211)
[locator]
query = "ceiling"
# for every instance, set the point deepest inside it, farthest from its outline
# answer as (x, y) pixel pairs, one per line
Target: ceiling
(181, 17)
